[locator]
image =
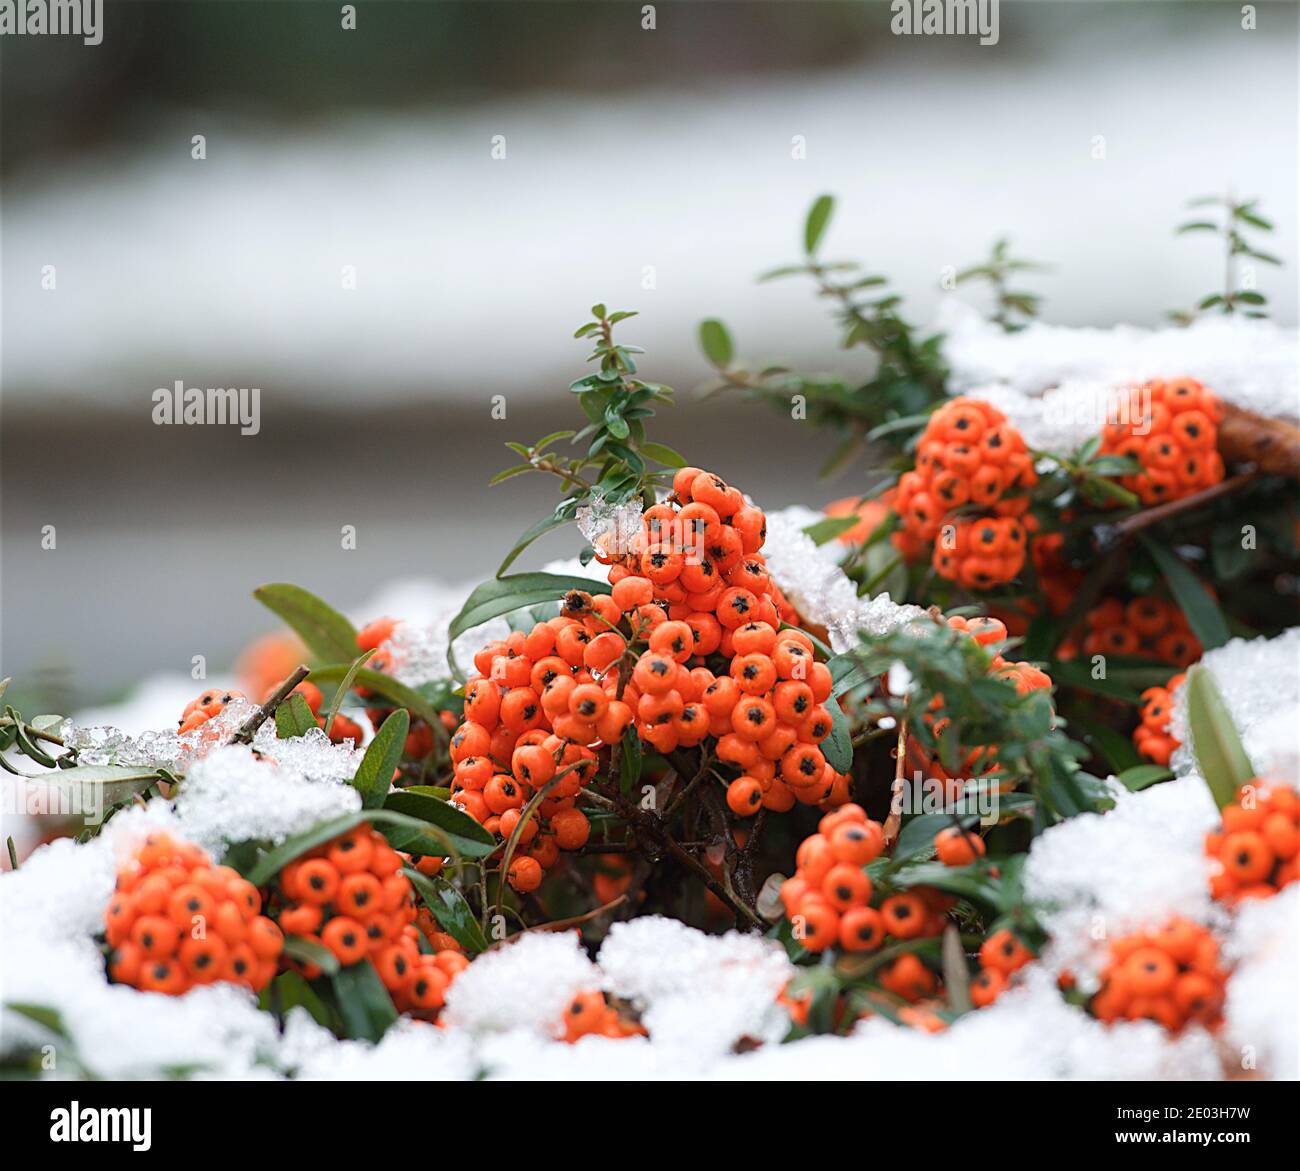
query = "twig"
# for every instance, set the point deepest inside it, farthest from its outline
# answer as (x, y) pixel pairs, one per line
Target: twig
(1109, 535)
(676, 803)
(34, 733)
(562, 924)
(250, 726)
(894, 821)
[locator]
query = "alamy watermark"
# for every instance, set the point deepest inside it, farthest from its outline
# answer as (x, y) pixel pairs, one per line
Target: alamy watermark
(216, 405)
(1128, 406)
(53, 18)
(976, 796)
(945, 18)
(35, 796)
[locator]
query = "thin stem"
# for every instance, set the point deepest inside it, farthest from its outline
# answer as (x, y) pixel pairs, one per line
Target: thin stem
(894, 821)
(1108, 535)
(250, 726)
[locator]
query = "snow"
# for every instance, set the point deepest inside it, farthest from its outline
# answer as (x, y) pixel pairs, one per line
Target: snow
(410, 1050)
(1029, 1033)
(810, 577)
(1263, 1007)
(230, 796)
(1260, 683)
(49, 910)
(1099, 875)
(1250, 363)
(523, 986)
(699, 994)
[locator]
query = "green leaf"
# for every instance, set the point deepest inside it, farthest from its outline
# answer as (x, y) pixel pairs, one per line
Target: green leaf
(48, 1018)
(501, 595)
(1202, 611)
(326, 632)
(393, 690)
(967, 882)
(1115, 747)
(562, 516)
(1141, 776)
(293, 718)
(814, 227)
(270, 863)
(340, 692)
(630, 768)
(1114, 465)
(107, 784)
(375, 774)
(715, 341)
(663, 454)
(956, 975)
(822, 531)
(918, 833)
(906, 423)
(837, 748)
(1214, 740)
(309, 951)
(847, 672)
(458, 833)
(509, 473)
(363, 1002)
(451, 910)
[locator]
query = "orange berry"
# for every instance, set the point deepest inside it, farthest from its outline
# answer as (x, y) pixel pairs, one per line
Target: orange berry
(744, 796)
(525, 874)
(957, 847)
(346, 938)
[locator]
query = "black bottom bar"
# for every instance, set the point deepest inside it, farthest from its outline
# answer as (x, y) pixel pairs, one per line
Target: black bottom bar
(1094, 1117)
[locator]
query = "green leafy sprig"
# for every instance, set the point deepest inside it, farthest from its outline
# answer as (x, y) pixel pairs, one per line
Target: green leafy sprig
(909, 374)
(1013, 309)
(616, 464)
(1233, 220)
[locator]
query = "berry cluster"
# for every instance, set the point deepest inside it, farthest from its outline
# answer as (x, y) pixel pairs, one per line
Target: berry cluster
(691, 587)
(828, 901)
(1146, 627)
(1173, 438)
(1171, 976)
(350, 896)
(697, 582)
(968, 495)
(176, 921)
(590, 1014)
(1002, 955)
(1152, 737)
(1255, 853)
(536, 704)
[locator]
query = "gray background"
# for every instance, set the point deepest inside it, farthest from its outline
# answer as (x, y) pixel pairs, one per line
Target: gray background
(625, 149)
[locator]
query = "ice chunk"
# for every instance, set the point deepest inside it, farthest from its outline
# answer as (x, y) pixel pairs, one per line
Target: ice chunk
(610, 527)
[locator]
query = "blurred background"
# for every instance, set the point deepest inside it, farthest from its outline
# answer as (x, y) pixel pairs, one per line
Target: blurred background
(649, 169)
